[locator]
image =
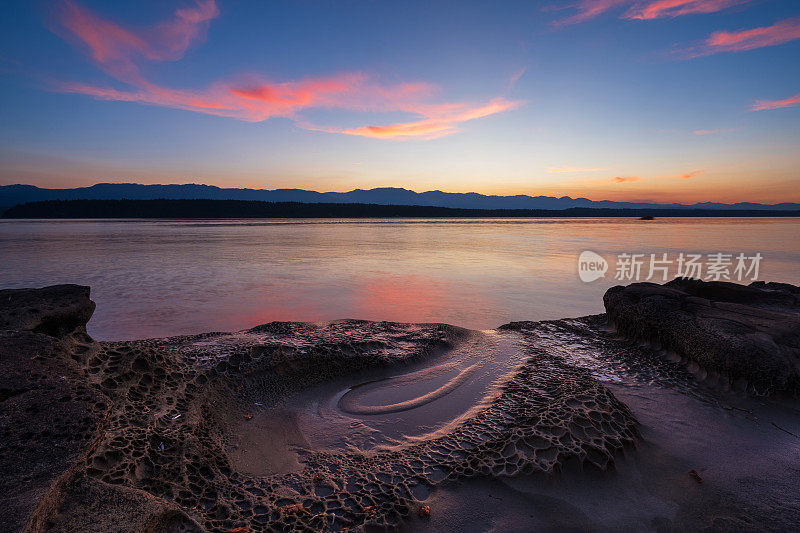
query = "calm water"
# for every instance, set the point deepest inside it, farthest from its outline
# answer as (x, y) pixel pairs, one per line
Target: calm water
(156, 278)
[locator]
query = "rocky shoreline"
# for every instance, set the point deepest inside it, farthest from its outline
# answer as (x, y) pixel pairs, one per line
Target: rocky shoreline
(747, 337)
(139, 436)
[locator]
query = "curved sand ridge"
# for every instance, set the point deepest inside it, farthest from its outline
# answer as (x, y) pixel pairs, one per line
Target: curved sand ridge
(350, 402)
(475, 362)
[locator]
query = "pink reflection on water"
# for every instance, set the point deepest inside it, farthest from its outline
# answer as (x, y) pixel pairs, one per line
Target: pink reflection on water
(403, 297)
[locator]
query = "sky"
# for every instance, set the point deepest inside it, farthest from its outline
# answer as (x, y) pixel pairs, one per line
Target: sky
(636, 100)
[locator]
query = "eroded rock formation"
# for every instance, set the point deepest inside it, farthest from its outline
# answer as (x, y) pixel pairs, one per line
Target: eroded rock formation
(52, 417)
(132, 436)
(750, 335)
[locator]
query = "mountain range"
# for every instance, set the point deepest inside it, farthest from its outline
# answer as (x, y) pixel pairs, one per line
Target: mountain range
(11, 195)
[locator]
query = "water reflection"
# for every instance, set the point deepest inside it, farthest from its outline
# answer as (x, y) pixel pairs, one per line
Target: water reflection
(404, 297)
(156, 278)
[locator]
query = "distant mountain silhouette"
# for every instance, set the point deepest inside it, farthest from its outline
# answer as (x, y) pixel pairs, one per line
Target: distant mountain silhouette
(213, 209)
(11, 195)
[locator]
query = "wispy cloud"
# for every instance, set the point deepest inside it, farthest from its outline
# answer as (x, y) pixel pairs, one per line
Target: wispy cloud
(714, 132)
(676, 8)
(630, 179)
(589, 9)
(116, 49)
(687, 175)
(761, 105)
(516, 76)
(119, 51)
(438, 122)
(557, 170)
(741, 41)
(644, 9)
(257, 100)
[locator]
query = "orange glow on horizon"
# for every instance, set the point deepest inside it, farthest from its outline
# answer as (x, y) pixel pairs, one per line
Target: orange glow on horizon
(685, 188)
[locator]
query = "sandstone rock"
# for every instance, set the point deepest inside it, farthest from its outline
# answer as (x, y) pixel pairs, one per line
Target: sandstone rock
(54, 310)
(91, 506)
(49, 415)
(749, 334)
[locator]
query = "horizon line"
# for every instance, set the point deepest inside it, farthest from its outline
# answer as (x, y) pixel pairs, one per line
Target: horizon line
(517, 195)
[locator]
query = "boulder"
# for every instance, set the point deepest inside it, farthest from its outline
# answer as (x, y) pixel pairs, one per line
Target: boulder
(49, 415)
(55, 310)
(748, 334)
(52, 416)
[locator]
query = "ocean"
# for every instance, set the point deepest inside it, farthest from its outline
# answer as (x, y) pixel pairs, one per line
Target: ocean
(155, 278)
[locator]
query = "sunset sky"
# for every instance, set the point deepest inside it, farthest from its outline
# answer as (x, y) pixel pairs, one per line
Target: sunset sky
(640, 100)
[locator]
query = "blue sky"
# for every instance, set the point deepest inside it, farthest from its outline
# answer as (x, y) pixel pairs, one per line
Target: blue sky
(658, 100)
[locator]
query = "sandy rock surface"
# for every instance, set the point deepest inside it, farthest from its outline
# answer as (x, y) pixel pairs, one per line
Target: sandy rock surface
(150, 435)
(51, 417)
(135, 436)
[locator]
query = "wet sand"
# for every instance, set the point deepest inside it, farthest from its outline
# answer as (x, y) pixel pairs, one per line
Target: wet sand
(370, 409)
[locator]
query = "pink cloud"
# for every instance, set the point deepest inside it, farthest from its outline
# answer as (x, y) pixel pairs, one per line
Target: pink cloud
(258, 100)
(684, 176)
(762, 105)
(153, 95)
(435, 124)
(687, 175)
(645, 181)
(589, 9)
(115, 48)
(118, 51)
(740, 41)
(646, 9)
(676, 8)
